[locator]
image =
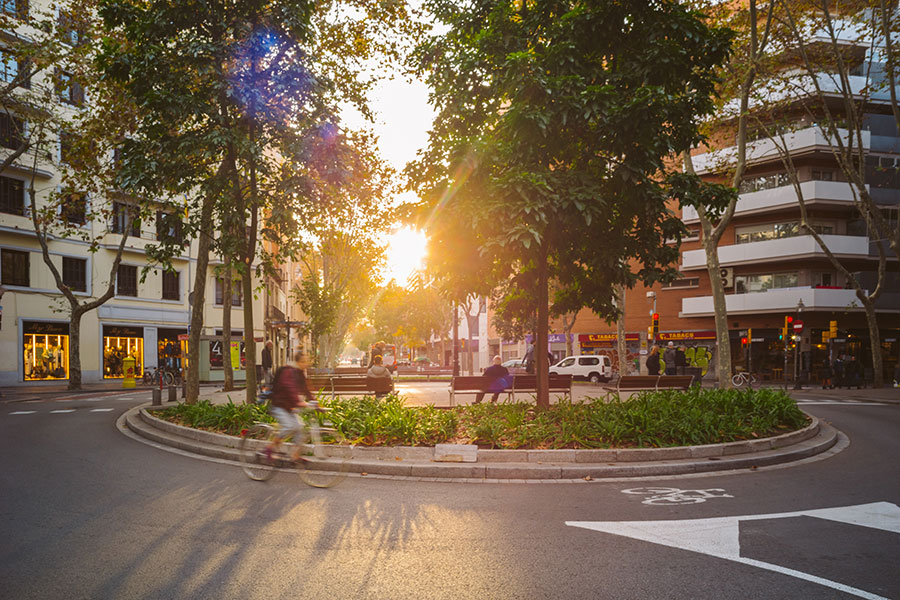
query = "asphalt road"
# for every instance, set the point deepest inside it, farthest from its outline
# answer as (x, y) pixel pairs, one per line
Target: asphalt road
(86, 512)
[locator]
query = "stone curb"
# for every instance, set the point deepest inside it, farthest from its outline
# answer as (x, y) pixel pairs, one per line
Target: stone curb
(524, 464)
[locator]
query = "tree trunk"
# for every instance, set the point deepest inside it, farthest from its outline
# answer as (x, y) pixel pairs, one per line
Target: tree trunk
(227, 288)
(874, 342)
(75, 349)
(249, 342)
(723, 341)
(204, 243)
(542, 363)
(621, 347)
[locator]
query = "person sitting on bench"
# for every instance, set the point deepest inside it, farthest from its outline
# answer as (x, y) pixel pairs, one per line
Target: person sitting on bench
(499, 380)
(378, 371)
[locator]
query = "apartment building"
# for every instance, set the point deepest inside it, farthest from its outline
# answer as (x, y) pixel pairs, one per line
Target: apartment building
(147, 318)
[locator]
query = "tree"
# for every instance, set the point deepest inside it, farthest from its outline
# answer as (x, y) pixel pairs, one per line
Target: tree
(53, 67)
(554, 123)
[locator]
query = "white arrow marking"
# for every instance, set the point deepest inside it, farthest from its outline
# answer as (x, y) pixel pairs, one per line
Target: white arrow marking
(720, 537)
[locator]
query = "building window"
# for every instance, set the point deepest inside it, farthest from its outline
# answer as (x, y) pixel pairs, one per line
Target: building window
(15, 8)
(764, 182)
(69, 90)
(168, 228)
(73, 208)
(235, 292)
(72, 31)
(123, 222)
(14, 267)
(74, 273)
(684, 282)
(819, 175)
(11, 131)
(171, 285)
(748, 284)
(12, 196)
(126, 281)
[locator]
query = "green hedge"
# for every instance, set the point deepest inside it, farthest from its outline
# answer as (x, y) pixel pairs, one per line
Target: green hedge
(646, 420)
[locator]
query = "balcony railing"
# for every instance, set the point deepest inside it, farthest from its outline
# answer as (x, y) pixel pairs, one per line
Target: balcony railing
(814, 192)
(790, 248)
(775, 300)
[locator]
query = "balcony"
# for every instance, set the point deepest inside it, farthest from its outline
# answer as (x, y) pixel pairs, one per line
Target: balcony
(774, 301)
(802, 140)
(814, 192)
(790, 248)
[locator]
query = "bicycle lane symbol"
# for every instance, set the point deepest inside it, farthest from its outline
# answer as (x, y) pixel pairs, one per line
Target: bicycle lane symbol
(666, 496)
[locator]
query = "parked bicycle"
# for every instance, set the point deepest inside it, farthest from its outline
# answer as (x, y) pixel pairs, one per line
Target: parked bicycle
(322, 463)
(743, 378)
(152, 377)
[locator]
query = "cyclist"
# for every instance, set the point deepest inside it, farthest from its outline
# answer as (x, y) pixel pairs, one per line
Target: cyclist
(289, 384)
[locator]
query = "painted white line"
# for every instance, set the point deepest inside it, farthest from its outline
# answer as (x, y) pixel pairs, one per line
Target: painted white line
(63, 410)
(101, 409)
(837, 403)
(720, 537)
(23, 412)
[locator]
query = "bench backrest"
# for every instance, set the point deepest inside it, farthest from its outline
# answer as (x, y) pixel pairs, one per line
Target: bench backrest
(463, 383)
(676, 381)
(352, 383)
(529, 382)
(662, 382)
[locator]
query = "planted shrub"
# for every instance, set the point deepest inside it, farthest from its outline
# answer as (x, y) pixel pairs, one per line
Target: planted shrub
(647, 419)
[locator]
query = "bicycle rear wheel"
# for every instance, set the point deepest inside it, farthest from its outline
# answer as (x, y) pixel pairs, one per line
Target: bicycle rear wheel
(326, 465)
(256, 463)
(737, 380)
(168, 378)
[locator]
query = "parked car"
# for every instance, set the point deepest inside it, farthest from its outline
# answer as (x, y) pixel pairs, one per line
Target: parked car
(594, 368)
(515, 365)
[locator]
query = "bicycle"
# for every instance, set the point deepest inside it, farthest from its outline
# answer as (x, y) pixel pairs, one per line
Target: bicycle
(663, 496)
(152, 377)
(743, 378)
(261, 455)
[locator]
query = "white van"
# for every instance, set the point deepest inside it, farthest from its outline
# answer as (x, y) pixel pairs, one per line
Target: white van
(593, 367)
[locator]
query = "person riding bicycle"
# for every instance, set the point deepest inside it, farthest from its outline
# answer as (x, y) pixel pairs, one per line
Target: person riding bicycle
(289, 384)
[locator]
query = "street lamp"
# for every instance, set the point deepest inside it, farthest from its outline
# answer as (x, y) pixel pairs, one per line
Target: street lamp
(800, 307)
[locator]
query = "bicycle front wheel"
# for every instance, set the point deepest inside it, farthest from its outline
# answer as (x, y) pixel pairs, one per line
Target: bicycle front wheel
(325, 463)
(257, 464)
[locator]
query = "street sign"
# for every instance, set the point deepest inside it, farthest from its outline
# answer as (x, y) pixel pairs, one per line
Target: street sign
(798, 326)
(832, 328)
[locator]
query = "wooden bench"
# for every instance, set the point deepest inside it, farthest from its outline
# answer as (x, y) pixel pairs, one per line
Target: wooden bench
(351, 385)
(476, 384)
(636, 383)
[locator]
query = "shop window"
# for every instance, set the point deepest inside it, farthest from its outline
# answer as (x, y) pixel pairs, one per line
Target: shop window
(235, 292)
(11, 131)
(45, 350)
(14, 267)
(12, 196)
(127, 281)
(124, 219)
(119, 344)
(73, 208)
(171, 285)
(74, 273)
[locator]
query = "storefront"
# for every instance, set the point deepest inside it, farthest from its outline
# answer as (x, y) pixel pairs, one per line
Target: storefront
(557, 345)
(121, 342)
(606, 343)
(168, 351)
(699, 347)
(45, 350)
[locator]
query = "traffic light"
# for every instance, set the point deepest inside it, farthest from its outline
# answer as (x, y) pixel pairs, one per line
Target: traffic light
(743, 341)
(655, 324)
(785, 333)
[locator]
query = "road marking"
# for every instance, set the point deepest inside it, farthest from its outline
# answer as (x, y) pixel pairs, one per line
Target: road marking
(720, 537)
(63, 410)
(666, 496)
(844, 402)
(101, 409)
(23, 412)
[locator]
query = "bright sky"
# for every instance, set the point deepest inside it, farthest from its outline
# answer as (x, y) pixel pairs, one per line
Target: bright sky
(402, 120)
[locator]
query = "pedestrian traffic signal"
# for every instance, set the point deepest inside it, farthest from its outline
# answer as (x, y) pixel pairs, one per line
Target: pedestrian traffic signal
(655, 324)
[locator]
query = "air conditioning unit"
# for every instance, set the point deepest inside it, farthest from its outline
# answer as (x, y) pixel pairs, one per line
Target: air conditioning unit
(727, 275)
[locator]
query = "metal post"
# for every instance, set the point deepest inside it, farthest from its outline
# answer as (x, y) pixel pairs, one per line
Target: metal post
(785, 372)
(455, 340)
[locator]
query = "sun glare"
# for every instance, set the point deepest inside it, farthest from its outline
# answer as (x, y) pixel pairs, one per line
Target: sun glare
(405, 254)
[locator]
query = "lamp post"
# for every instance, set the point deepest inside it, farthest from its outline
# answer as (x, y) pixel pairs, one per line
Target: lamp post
(800, 307)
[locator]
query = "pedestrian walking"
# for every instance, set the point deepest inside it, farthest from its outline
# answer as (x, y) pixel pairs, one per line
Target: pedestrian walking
(680, 360)
(669, 358)
(267, 363)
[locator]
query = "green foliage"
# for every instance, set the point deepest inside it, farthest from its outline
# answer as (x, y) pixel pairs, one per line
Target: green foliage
(647, 420)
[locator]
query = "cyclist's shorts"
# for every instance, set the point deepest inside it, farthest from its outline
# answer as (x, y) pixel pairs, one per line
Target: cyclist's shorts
(288, 422)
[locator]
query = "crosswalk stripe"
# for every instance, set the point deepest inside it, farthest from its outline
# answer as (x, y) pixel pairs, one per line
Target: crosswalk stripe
(101, 409)
(63, 410)
(23, 412)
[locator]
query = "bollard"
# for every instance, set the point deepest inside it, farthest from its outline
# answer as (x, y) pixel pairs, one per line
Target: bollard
(173, 394)
(157, 396)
